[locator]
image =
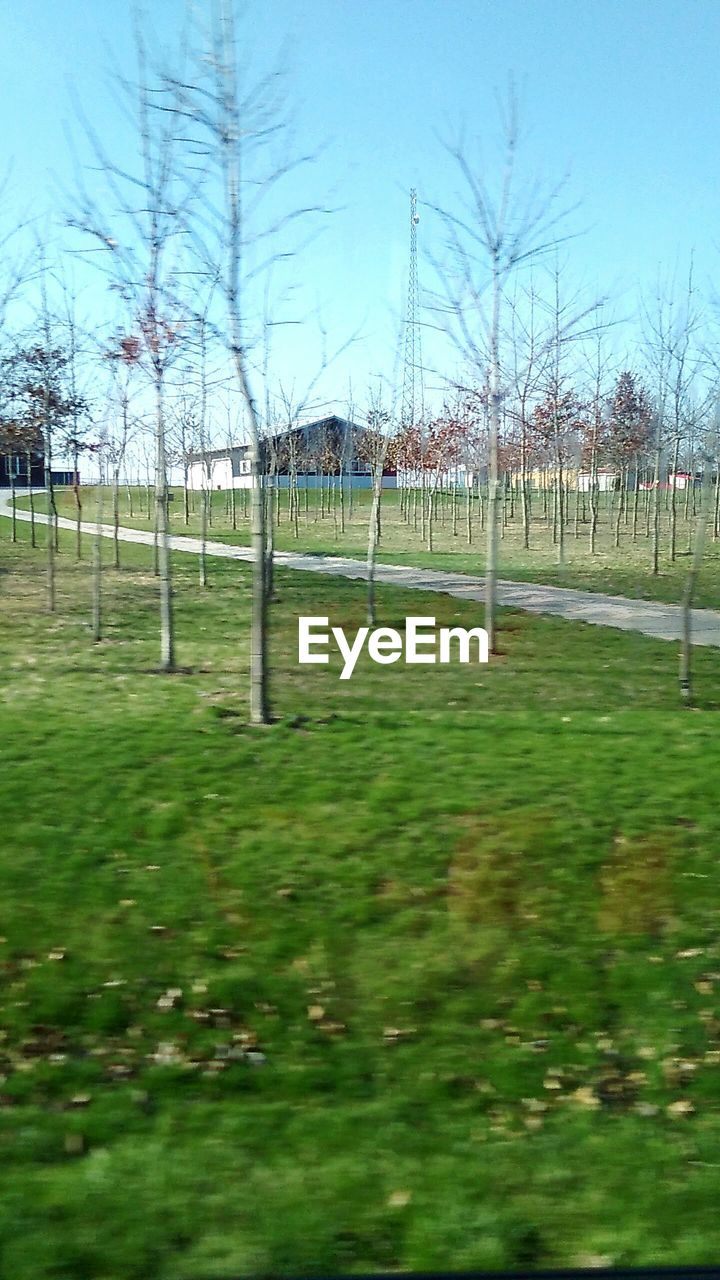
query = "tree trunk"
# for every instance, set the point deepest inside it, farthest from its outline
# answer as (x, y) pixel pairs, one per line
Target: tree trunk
(621, 505)
(97, 570)
(690, 584)
(594, 496)
(78, 508)
(270, 481)
(560, 494)
(372, 545)
(33, 540)
(673, 501)
(494, 431)
(116, 516)
(12, 499)
(656, 513)
(50, 538)
(167, 634)
(203, 532)
(524, 495)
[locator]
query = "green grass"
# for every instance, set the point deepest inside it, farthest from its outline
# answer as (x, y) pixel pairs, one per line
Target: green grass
(469, 917)
(618, 571)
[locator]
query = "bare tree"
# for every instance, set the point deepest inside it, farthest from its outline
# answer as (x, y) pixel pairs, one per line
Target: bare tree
(97, 560)
(495, 234)
(228, 122)
(374, 445)
(117, 439)
(233, 129)
(528, 348)
(670, 326)
(708, 455)
(142, 235)
(17, 437)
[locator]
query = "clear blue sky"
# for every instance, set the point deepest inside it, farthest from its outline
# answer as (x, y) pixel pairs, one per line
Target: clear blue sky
(623, 93)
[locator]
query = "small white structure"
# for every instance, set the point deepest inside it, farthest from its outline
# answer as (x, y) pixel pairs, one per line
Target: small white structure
(220, 469)
(607, 480)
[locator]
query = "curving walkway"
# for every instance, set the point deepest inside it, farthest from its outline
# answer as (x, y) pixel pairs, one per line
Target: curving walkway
(651, 618)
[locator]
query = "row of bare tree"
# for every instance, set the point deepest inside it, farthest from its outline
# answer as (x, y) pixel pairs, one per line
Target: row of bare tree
(185, 235)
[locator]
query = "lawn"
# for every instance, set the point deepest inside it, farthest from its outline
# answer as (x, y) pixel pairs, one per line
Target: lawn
(623, 570)
(424, 975)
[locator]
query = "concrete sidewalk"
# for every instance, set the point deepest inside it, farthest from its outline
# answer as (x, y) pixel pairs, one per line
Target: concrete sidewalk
(650, 618)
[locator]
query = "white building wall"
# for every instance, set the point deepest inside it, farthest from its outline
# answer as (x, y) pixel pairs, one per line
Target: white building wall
(217, 474)
(606, 482)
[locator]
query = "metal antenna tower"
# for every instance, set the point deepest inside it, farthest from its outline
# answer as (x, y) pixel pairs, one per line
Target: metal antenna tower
(412, 410)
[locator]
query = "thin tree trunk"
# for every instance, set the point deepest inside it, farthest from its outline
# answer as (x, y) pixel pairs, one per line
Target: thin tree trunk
(97, 570)
(116, 517)
(167, 634)
(270, 481)
(494, 431)
(373, 528)
(673, 501)
(656, 513)
(33, 539)
(50, 538)
(560, 491)
(524, 495)
(12, 499)
(78, 508)
(594, 495)
(203, 533)
(689, 591)
(621, 506)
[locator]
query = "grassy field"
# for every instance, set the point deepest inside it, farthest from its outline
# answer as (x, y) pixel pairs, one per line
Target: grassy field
(620, 571)
(423, 975)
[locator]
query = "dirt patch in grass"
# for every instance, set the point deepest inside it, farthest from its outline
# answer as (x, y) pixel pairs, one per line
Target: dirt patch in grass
(496, 875)
(636, 884)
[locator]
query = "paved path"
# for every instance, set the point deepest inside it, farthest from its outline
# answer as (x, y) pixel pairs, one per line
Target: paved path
(663, 621)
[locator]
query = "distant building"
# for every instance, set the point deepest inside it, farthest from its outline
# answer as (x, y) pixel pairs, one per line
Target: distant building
(310, 452)
(14, 467)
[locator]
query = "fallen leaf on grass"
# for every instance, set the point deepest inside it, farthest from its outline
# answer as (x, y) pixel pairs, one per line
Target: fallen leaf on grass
(586, 1096)
(170, 998)
(398, 1199)
(683, 1107)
